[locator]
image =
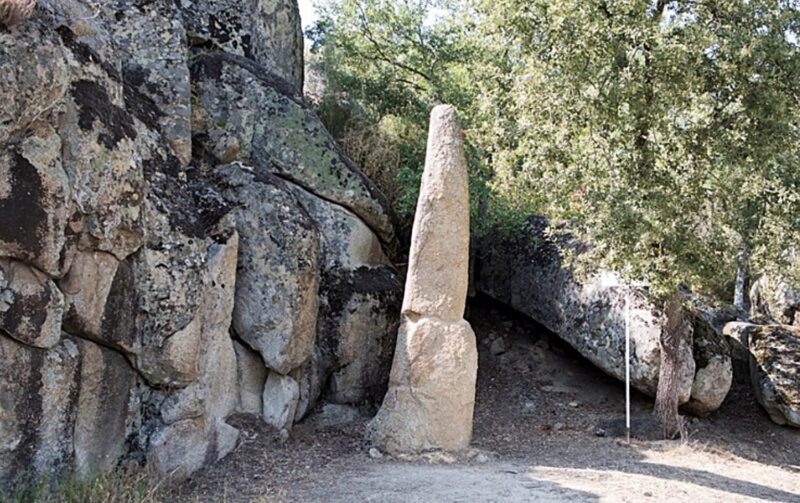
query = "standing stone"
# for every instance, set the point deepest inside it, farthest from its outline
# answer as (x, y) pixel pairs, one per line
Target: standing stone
(431, 394)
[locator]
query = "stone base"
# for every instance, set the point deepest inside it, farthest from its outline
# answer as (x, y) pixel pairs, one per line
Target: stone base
(431, 397)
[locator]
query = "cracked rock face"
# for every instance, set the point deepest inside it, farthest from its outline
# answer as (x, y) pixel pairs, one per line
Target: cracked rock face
(252, 116)
(265, 31)
(775, 371)
(431, 396)
(150, 282)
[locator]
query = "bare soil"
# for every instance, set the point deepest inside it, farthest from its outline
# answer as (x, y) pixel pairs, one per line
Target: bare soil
(548, 427)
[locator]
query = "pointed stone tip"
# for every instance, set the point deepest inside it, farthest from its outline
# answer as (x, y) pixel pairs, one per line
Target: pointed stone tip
(444, 112)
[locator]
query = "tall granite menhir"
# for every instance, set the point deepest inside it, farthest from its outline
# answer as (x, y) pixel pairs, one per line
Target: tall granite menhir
(431, 397)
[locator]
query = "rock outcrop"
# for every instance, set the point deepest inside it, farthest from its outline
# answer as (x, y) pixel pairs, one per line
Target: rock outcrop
(714, 367)
(772, 353)
(526, 272)
(431, 396)
(775, 371)
(775, 299)
(180, 238)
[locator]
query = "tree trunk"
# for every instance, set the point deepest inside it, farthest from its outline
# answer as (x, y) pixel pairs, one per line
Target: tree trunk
(741, 278)
(675, 330)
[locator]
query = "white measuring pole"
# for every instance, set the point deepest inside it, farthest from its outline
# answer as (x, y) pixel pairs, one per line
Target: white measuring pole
(627, 368)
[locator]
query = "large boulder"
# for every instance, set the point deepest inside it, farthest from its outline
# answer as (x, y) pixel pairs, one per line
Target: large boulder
(712, 355)
(248, 114)
(69, 407)
(106, 409)
(278, 273)
(358, 321)
(360, 295)
(130, 244)
(526, 272)
(774, 359)
(196, 431)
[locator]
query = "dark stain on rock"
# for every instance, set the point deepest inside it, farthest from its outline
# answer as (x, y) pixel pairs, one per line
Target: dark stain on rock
(191, 205)
(23, 219)
(28, 409)
(247, 46)
(209, 66)
(95, 104)
(27, 311)
(337, 288)
(340, 286)
(136, 102)
(84, 53)
(218, 29)
(119, 313)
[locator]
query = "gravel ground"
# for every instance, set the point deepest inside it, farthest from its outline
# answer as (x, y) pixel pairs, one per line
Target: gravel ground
(548, 427)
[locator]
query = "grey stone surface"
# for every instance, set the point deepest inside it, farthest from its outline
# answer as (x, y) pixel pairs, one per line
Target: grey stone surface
(526, 272)
(38, 407)
(278, 276)
(122, 273)
(252, 375)
(247, 114)
(281, 394)
(775, 371)
(266, 31)
(776, 299)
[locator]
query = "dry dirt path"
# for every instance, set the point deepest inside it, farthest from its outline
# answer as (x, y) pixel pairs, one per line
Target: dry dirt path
(540, 409)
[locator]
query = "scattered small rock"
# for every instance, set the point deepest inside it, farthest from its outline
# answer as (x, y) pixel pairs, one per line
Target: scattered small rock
(599, 432)
(439, 458)
(559, 426)
(498, 347)
(375, 453)
(574, 405)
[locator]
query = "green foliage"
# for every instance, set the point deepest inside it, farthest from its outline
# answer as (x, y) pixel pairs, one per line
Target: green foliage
(667, 133)
(394, 60)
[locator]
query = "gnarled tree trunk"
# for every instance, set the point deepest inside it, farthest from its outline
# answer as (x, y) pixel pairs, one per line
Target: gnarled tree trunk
(676, 329)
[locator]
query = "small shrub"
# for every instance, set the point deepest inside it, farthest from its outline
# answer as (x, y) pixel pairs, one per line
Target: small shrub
(13, 12)
(132, 487)
(376, 155)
